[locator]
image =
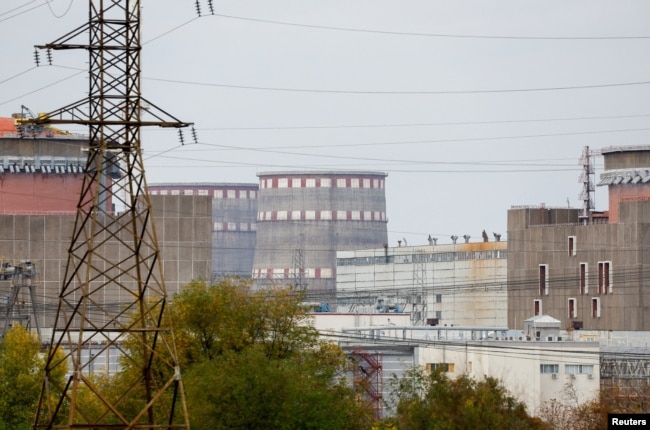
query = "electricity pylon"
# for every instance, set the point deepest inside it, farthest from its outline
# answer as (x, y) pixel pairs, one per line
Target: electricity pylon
(113, 292)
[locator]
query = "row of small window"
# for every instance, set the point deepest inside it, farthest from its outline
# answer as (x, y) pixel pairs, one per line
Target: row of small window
(604, 278)
(572, 307)
(569, 369)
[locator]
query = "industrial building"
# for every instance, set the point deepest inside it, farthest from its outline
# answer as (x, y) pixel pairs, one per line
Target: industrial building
(234, 222)
(588, 269)
(459, 284)
(40, 168)
(304, 218)
(534, 372)
(40, 185)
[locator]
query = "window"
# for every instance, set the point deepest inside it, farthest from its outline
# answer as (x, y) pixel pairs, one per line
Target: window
(445, 367)
(595, 307)
(549, 368)
(438, 298)
(579, 369)
(584, 285)
(572, 246)
(543, 279)
(537, 307)
(573, 311)
(439, 315)
(604, 277)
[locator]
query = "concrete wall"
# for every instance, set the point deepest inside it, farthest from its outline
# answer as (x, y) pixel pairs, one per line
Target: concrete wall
(622, 307)
(234, 225)
(183, 226)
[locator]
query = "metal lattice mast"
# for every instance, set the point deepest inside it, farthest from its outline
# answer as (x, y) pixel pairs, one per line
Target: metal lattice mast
(113, 293)
(22, 309)
(586, 195)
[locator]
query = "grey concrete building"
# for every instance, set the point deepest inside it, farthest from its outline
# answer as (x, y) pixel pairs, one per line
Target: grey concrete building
(233, 226)
(591, 273)
(304, 218)
(183, 226)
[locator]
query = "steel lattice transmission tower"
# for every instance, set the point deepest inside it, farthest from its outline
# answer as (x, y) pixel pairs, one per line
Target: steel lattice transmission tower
(113, 292)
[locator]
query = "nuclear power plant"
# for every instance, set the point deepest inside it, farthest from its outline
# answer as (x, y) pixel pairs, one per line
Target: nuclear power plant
(286, 229)
(304, 218)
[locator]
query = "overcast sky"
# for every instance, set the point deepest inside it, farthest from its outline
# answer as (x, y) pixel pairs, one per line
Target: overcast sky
(471, 107)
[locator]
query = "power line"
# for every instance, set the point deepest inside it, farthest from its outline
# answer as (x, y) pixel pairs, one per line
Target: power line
(424, 124)
(22, 12)
(437, 35)
(394, 92)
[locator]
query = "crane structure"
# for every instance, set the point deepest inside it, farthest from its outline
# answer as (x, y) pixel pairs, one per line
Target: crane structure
(113, 254)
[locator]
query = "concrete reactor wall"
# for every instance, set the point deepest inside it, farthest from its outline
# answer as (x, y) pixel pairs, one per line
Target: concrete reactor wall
(233, 226)
(183, 227)
(304, 218)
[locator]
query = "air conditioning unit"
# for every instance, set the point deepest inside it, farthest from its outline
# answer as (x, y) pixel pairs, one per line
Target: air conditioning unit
(554, 376)
(572, 376)
(590, 376)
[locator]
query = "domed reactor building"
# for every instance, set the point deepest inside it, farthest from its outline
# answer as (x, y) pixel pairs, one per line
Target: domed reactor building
(304, 218)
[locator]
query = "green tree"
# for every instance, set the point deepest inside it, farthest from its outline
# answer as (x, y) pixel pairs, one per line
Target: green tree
(253, 361)
(21, 377)
(433, 401)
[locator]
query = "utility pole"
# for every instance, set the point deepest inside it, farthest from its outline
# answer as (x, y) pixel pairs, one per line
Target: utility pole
(112, 256)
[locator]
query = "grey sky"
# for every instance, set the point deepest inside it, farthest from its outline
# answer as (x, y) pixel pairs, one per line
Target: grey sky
(471, 107)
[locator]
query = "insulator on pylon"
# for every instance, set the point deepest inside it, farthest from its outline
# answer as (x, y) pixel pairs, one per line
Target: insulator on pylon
(49, 56)
(37, 57)
(211, 6)
(194, 136)
(198, 7)
(181, 137)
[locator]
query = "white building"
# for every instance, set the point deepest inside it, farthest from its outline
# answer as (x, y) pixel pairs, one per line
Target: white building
(533, 372)
(461, 284)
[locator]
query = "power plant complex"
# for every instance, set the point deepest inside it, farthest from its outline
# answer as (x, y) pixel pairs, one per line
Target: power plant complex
(563, 274)
(284, 230)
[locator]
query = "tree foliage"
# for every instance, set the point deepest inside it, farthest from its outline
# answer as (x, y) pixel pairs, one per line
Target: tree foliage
(433, 401)
(21, 377)
(252, 361)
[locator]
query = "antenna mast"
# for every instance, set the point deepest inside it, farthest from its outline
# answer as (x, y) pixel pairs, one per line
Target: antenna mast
(586, 195)
(113, 290)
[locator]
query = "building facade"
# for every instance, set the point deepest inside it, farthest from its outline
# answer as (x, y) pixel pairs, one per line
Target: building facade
(234, 222)
(591, 274)
(461, 284)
